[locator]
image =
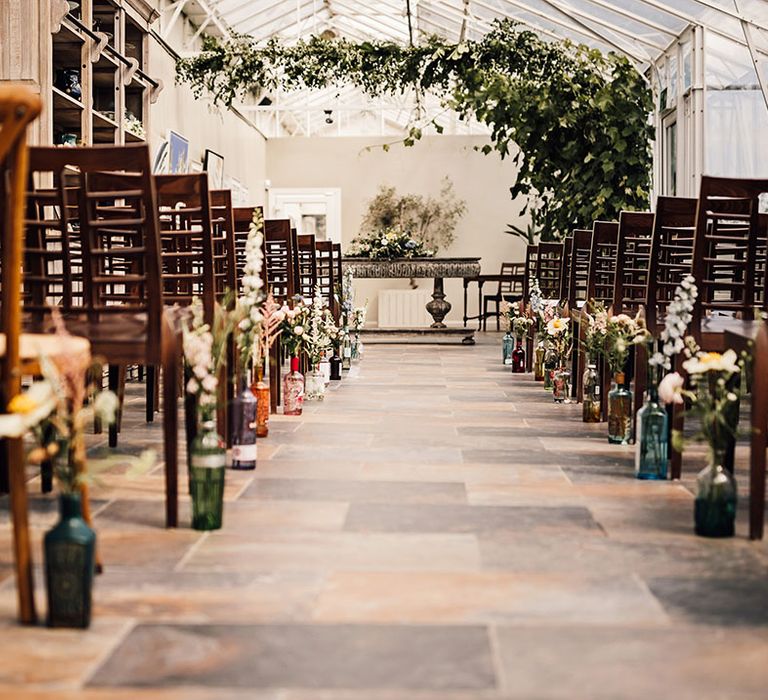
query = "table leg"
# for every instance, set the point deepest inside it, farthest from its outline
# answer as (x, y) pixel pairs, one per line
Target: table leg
(466, 284)
(438, 308)
(480, 305)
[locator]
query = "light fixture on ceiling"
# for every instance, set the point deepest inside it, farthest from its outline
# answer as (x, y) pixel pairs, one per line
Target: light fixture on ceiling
(328, 116)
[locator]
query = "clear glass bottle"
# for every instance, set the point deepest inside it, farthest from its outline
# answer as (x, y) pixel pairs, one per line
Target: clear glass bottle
(293, 390)
(507, 348)
(591, 409)
(561, 386)
(314, 387)
(518, 357)
(550, 365)
(620, 412)
(207, 465)
(243, 427)
(651, 437)
(357, 347)
(716, 498)
(346, 352)
(325, 368)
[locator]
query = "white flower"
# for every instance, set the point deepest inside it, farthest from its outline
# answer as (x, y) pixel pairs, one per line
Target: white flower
(670, 388)
(298, 330)
(105, 406)
(557, 326)
(200, 371)
(210, 383)
(28, 409)
(713, 362)
(192, 386)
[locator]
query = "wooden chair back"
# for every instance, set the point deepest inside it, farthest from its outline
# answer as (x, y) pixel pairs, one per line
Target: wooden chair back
(326, 275)
(725, 247)
(634, 253)
(224, 244)
(671, 253)
(602, 261)
(279, 259)
(566, 274)
(186, 234)
(243, 216)
(307, 257)
(513, 286)
(19, 106)
(578, 272)
(549, 268)
(761, 282)
(531, 258)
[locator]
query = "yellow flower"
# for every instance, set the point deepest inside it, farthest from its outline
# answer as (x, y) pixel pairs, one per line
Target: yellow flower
(713, 362)
(22, 403)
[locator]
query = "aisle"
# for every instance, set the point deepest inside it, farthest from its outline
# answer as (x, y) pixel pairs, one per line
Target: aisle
(436, 529)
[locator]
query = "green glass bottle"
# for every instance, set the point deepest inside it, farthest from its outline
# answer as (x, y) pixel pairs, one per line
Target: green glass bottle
(69, 565)
(207, 465)
(715, 504)
(652, 437)
(620, 412)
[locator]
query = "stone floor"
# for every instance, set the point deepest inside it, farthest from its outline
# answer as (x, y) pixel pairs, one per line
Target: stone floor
(436, 529)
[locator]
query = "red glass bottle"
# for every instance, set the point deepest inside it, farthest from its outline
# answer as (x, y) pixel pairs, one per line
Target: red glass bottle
(293, 390)
(518, 358)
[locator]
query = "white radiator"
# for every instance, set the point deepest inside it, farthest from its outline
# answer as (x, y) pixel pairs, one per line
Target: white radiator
(404, 308)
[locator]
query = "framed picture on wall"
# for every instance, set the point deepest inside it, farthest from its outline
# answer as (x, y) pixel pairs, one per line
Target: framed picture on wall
(178, 148)
(213, 164)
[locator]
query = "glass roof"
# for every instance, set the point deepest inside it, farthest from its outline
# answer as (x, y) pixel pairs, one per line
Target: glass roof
(640, 29)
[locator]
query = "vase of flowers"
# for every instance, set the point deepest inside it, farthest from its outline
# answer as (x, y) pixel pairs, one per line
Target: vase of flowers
(714, 400)
(594, 320)
(507, 348)
(320, 332)
(591, 406)
(205, 353)
(559, 338)
(292, 333)
(622, 332)
(357, 322)
(538, 358)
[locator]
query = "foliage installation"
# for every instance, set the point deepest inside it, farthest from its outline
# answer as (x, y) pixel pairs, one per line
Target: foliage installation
(578, 117)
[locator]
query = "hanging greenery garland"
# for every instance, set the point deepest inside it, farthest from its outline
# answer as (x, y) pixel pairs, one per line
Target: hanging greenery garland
(574, 120)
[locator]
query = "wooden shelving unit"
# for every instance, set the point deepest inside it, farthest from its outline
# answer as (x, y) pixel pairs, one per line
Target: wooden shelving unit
(101, 89)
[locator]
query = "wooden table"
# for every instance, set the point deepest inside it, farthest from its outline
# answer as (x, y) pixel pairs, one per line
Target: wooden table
(480, 280)
(420, 268)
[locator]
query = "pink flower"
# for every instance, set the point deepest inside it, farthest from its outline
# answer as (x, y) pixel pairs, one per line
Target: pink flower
(670, 388)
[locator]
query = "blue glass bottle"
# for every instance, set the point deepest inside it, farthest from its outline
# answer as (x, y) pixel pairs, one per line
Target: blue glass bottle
(715, 504)
(652, 437)
(507, 348)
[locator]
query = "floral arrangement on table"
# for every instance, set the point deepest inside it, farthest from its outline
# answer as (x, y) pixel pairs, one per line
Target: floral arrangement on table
(250, 301)
(388, 244)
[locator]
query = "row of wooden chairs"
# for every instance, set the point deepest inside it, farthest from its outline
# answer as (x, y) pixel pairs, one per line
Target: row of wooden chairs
(121, 253)
(636, 264)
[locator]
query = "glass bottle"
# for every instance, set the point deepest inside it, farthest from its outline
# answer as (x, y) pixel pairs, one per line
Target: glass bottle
(550, 365)
(507, 348)
(325, 368)
(538, 360)
(561, 386)
(69, 566)
(518, 357)
(242, 424)
(314, 388)
(335, 364)
(591, 408)
(207, 464)
(620, 412)
(346, 352)
(715, 504)
(263, 396)
(357, 347)
(293, 390)
(651, 437)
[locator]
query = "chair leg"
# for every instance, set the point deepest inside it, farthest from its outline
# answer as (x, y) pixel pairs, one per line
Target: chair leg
(4, 477)
(677, 425)
(274, 378)
(151, 395)
(171, 358)
(46, 476)
(485, 315)
(114, 385)
(759, 441)
(14, 450)
(498, 315)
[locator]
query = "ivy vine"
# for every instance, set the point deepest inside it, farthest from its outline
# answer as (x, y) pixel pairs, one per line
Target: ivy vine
(574, 120)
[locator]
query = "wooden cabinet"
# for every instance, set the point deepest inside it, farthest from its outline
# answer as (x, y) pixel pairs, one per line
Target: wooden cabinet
(90, 66)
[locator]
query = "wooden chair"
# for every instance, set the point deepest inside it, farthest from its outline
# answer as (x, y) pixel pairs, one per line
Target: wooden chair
(600, 285)
(279, 259)
(566, 275)
(19, 106)
(243, 216)
(725, 249)
(576, 296)
(326, 276)
(549, 268)
(531, 257)
(118, 302)
(510, 289)
(631, 282)
(307, 257)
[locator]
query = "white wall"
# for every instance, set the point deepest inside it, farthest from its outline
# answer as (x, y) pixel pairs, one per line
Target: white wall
(483, 181)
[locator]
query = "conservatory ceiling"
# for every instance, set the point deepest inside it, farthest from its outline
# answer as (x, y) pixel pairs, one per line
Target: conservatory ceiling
(640, 29)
